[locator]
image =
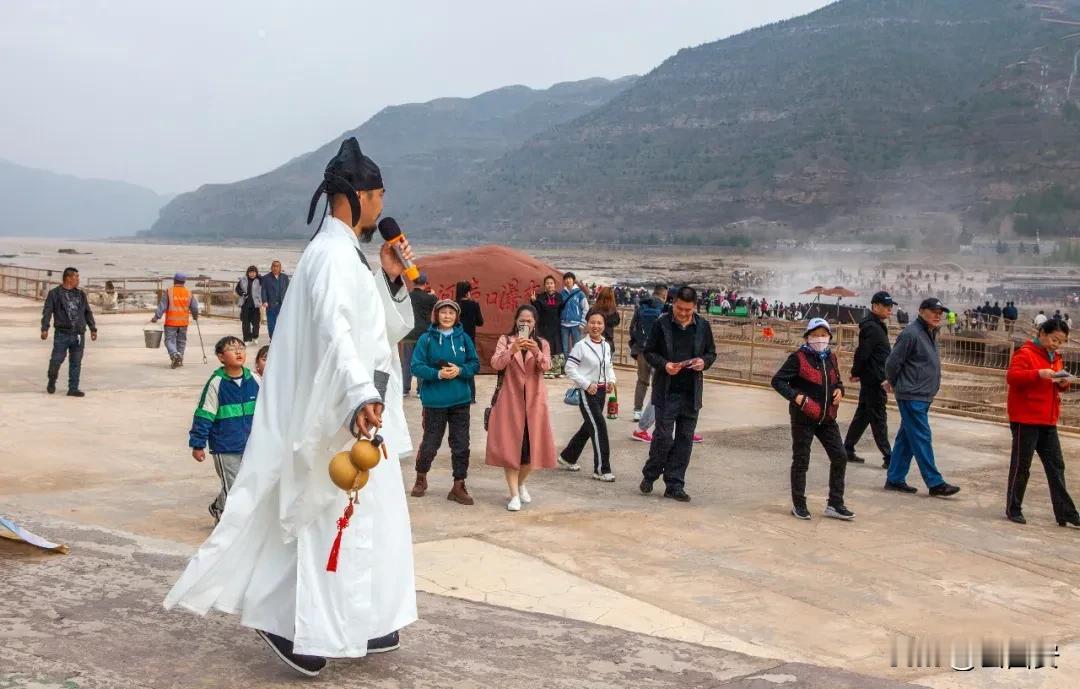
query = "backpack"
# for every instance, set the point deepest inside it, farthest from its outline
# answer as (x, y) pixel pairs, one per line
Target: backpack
(647, 314)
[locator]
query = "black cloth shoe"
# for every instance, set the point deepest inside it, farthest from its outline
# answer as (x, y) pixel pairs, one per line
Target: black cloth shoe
(900, 487)
(854, 458)
(645, 486)
(76, 393)
(1017, 518)
(885, 462)
(309, 666)
(800, 512)
(1075, 521)
(679, 495)
(384, 644)
(944, 490)
(51, 387)
(840, 512)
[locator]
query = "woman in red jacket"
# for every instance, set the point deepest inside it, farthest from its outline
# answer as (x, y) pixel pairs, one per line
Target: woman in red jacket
(1036, 379)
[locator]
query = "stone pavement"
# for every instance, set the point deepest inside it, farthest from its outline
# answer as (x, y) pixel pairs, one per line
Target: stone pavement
(591, 585)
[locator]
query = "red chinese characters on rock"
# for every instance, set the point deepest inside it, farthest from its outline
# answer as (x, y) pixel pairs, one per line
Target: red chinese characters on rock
(502, 279)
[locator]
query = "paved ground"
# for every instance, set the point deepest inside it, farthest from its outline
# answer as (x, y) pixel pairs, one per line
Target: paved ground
(591, 585)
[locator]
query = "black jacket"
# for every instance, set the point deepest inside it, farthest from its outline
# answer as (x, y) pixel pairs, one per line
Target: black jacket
(549, 309)
(422, 305)
(471, 317)
(54, 311)
(872, 352)
(816, 378)
(659, 346)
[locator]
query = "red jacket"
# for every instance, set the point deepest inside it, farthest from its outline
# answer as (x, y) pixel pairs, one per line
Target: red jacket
(1033, 400)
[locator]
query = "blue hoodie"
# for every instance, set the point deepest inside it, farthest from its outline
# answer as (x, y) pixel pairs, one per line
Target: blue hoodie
(456, 348)
(575, 304)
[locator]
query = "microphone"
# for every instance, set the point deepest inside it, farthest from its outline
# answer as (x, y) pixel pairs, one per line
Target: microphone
(392, 235)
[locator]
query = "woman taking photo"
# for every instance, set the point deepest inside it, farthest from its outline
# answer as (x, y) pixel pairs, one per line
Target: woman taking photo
(519, 430)
(1036, 378)
(605, 304)
(589, 367)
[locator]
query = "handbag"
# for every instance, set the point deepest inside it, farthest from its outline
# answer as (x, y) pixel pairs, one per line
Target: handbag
(494, 398)
(573, 397)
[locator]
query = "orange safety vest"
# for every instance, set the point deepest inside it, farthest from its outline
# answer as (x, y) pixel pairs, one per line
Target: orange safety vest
(178, 314)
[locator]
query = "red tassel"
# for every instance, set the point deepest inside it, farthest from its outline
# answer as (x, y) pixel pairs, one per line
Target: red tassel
(342, 524)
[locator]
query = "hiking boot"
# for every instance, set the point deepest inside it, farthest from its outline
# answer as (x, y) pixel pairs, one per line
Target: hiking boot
(384, 644)
(76, 393)
(459, 493)
(885, 462)
(840, 512)
(309, 666)
(800, 512)
(420, 487)
(944, 490)
(645, 486)
(1075, 521)
(642, 435)
(901, 487)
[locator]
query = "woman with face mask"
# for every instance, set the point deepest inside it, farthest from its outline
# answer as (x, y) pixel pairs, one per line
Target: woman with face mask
(1036, 378)
(810, 380)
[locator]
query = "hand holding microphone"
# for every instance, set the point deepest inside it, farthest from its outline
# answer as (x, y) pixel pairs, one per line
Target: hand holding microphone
(396, 255)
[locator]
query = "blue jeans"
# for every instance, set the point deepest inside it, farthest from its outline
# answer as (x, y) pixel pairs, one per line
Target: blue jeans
(69, 345)
(914, 440)
(271, 318)
(175, 341)
(570, 337)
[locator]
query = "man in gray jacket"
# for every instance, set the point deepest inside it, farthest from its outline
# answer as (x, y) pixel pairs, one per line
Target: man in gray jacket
(913, 372)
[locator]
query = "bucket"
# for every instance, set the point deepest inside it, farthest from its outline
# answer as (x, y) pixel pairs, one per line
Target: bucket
(153, 338)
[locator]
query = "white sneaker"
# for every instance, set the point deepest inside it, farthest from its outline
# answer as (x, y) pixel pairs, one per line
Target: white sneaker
(637, 415)
(568, 466)
(514, 505)
(523, 493)
(606, 478)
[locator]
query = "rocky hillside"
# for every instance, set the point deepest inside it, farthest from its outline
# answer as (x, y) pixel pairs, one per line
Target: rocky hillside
(426, 150)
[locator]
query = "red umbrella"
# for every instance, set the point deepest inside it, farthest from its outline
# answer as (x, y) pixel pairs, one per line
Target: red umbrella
(817, 289)
(838, 291)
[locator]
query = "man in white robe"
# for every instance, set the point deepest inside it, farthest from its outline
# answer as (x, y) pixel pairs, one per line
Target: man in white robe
(332, 372)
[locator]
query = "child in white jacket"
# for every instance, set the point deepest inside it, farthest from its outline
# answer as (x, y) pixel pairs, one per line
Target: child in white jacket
(590, 367)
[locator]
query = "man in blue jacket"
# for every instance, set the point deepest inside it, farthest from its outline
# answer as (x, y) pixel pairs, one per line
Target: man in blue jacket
(575, 306)
(445, 359)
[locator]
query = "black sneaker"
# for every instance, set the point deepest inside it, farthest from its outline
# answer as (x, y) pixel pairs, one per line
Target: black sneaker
(901, 487)
(384, 644)
(1075, 522)
(840, 512)
(885, 462)
(854, 458)
(76, 393)
(1016, 518)
(51, 387)
(309, 666)
(800, 512)
(645, 486)
(679, 495)
(944, 490)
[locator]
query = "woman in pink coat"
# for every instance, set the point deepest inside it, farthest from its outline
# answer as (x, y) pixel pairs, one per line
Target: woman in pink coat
(519, 430)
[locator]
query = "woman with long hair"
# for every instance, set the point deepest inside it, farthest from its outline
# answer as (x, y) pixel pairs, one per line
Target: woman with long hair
(519, 429)
(605, 304)
(589, 367)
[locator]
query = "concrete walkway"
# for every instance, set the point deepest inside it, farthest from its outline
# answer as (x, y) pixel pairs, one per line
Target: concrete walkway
(591, 585)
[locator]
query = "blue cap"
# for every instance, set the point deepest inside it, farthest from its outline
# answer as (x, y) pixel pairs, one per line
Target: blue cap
(179, 277)
(816, 323)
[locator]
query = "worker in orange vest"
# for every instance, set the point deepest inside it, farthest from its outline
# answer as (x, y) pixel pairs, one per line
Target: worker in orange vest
(178, 305)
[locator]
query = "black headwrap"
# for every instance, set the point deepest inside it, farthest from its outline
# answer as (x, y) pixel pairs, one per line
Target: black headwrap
(348, 172)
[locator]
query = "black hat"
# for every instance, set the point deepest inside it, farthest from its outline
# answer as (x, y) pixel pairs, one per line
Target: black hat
(348, 172)
(883, 298)
(933, 303)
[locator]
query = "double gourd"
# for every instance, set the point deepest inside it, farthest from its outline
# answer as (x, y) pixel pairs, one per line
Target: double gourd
(350, 470)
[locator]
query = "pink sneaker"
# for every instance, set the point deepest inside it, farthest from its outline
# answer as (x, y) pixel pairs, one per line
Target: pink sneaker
(698, 438)
(643, 436)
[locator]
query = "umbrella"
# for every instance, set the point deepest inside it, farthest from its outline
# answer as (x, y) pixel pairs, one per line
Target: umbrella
(817, 289)
(841, 292)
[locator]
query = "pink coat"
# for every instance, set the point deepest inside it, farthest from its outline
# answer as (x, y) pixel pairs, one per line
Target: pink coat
(523, 398)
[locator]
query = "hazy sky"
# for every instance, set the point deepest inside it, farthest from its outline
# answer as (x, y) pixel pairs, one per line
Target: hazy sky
(174, 95)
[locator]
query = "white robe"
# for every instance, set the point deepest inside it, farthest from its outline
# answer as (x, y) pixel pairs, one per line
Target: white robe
(266, 560)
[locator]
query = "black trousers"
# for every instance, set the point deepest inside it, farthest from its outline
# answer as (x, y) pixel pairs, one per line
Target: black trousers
(870, 412)
(1027, 440)
(672, 440)
(802, 435)
(594, 428)
(435, 422)
(249, 322)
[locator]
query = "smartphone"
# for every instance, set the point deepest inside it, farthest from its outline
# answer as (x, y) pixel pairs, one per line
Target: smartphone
(442, 363)
(1061, 374)
(523, 332)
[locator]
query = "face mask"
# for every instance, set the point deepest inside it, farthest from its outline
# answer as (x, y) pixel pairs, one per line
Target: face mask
(818, 344)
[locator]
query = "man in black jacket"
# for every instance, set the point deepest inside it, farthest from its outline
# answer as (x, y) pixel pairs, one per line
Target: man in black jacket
(68, 309)
(868, 370)
(423, 301)
(679, 348)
